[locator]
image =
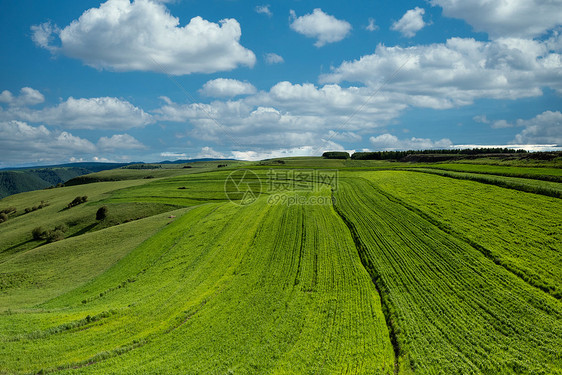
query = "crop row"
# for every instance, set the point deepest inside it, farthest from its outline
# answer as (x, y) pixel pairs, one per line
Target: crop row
(255, 289)
(548, 188)
(537, 173)
(452, 310)
(519, 231)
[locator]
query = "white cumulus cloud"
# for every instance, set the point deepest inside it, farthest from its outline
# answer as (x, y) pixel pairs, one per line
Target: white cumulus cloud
(545, 128)
(264, 9)
(120, 142)
(506, 18)
(287, 116)
(500, 124)
(6, 97)
(85, 113)
(144, 36)
(410, 23)
(321, 26)
(481, 119)
(208, 153)
(44, 35)
(225, 87)
(27, 96)
(455, 73)
(173, 155)
(389, 142)
(261, 154)
(273, 58)
(23, 143)
(371, 26)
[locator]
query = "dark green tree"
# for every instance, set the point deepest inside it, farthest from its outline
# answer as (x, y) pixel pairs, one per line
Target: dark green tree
(102, 213)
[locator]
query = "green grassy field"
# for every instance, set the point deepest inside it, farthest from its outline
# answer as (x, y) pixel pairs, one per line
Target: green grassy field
(544, 173)
(531, 185)
(380, 271)
(517, 230)
(453, 309)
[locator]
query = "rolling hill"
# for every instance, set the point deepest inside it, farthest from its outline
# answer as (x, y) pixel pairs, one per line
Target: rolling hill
(13, 181)
(290, 266)
(18, 180)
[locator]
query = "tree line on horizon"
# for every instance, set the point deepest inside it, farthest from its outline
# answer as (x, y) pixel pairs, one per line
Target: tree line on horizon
(396, 155)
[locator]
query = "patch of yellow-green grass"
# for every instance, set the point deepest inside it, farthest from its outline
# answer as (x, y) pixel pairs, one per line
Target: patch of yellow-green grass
(188, 190)
(39, 274)
(520, 231)
(15, 234)
(539, 173)
(156, 171)
(247, 289)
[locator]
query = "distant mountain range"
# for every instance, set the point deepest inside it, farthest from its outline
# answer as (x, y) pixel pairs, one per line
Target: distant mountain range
(19, 180)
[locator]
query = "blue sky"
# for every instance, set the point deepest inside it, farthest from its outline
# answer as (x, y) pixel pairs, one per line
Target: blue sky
(152, 80)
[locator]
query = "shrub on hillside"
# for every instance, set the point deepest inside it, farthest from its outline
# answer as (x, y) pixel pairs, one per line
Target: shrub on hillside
(54, 235)
(102, 213)
(57, 234)
(3, 217)
(39, 233)
(62, 227)
(8, 211)
(77, 201)
(35, 208)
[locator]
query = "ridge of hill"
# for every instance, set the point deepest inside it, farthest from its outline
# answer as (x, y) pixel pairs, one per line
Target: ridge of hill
(22, 179)
(18, 180)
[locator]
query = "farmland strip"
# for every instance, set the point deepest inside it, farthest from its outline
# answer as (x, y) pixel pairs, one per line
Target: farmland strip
(491, 219)
(454, 310)
(377, 282)
(548, 188)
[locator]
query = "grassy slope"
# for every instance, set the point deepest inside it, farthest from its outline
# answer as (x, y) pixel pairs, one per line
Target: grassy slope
(453, 310)
(159, 171)
(275, 289)
(199, 188)
(33, 276)
(548, 174)
(491, 217)
(279, 296)
(16, 232)
(516, 162)
(530, 185)
(22, 180)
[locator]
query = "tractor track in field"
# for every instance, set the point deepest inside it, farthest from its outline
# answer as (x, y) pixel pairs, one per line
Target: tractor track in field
(483, 250)
(377, 282)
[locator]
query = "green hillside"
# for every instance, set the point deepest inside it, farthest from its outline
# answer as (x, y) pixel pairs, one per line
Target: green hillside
(286, 266)
(13, 182)
(29, 179)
